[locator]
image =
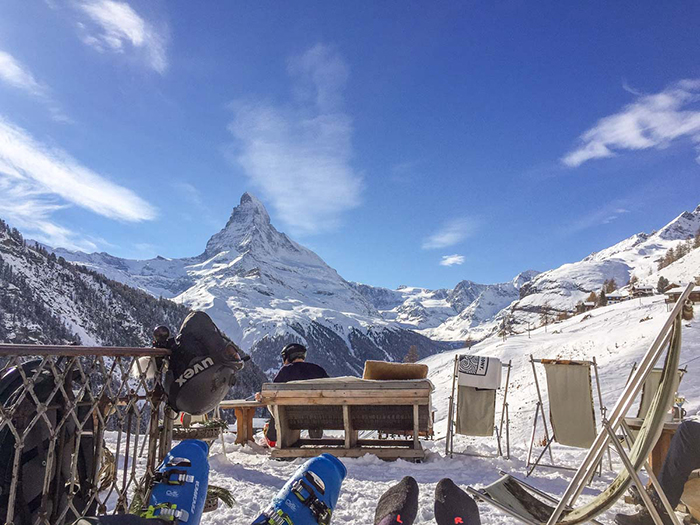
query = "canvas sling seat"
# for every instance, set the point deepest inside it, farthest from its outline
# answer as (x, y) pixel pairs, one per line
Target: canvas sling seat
(649, 388)
(509, 495)
(472, 408)
(476, 411)
(571, 408)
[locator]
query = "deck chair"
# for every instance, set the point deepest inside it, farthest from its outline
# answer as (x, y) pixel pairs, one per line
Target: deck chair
(571, 408)
(472, 410)
(650, 386)
(534, 507)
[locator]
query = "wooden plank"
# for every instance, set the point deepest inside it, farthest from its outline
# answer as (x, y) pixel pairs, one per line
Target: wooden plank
(350, 432)
(228, 404)
(74, 350)
(241, 426)
(382, 453)
(345, 392)
(286, 437)
(384, 401)
(320, 442)
(416, 427)
(359, 384)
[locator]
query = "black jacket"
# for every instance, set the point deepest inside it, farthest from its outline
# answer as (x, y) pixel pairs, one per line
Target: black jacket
(299, 371)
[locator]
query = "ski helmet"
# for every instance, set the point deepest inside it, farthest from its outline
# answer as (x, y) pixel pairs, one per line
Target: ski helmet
(293, 351)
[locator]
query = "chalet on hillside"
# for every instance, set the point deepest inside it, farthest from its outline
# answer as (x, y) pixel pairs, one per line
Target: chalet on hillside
(585, 306)
(642, 291)
(672, 294)
(616, 297)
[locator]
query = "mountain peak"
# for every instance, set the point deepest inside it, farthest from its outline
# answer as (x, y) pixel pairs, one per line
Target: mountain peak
(682, 227)
(249, 207)
(249, 221)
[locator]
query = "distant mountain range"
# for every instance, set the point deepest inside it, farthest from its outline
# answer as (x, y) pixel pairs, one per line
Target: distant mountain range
(265, 290)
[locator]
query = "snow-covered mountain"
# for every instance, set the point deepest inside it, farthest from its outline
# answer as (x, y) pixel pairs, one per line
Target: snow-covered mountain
(265, 290)
(46, 300)
(559, 290)
(445, 314)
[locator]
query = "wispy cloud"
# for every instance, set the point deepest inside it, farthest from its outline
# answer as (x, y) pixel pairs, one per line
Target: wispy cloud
(652, 121)
(114, 26)
(189, 192)
(36, 181)
(15, 74)
(451, 260)
(451, 233)
(599, 216)
(299, 154)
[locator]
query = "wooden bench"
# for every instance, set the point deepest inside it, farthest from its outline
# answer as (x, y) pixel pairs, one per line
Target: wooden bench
(350, 404)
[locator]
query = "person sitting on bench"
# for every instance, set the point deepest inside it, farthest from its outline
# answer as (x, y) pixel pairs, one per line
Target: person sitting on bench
(682, 459)
(294, 368)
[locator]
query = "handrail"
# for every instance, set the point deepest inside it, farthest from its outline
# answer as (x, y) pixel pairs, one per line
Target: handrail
(26, 350)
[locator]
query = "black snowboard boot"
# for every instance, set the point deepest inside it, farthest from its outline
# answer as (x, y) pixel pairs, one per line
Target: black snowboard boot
(453, 506)
(399, 504)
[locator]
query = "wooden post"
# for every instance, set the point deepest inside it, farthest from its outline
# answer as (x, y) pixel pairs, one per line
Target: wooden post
(416, 427)
(242, 429)
(350, 433)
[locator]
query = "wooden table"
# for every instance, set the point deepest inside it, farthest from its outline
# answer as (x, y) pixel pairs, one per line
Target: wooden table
(658, 455)
(244, 410)
(351, 405)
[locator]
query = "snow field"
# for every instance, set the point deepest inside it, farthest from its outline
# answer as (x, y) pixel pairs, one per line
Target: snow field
(614, 335)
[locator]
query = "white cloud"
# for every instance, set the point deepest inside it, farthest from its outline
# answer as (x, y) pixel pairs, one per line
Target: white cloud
(599, 216)
(15, 74)
(299, 155)
(451, 260)
(652, 121)
(36, 181)
(116, 27)
(451, 233)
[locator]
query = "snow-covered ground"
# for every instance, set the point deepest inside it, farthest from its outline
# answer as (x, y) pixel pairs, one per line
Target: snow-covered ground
(616, 335)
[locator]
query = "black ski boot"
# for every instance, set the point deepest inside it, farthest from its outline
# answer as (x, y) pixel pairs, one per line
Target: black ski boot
(453, 506)
(399, 504)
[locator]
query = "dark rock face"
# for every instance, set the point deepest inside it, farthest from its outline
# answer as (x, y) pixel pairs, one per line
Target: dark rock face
(326, 348)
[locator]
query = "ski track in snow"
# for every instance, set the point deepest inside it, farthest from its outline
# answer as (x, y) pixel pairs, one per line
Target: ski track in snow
(613, 334)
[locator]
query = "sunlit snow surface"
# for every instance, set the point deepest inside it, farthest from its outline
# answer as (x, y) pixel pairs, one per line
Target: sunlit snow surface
(614, 335)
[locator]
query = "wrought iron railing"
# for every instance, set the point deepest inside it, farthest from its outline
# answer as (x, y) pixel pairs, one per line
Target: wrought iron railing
(81, 430)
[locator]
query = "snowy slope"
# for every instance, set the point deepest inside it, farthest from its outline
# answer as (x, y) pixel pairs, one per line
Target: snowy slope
(39, 292)
(685, 270)
(265, 290)
(614, 335)
(559, 290)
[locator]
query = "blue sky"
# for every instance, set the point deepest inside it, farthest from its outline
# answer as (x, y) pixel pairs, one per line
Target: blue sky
(416, 143)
